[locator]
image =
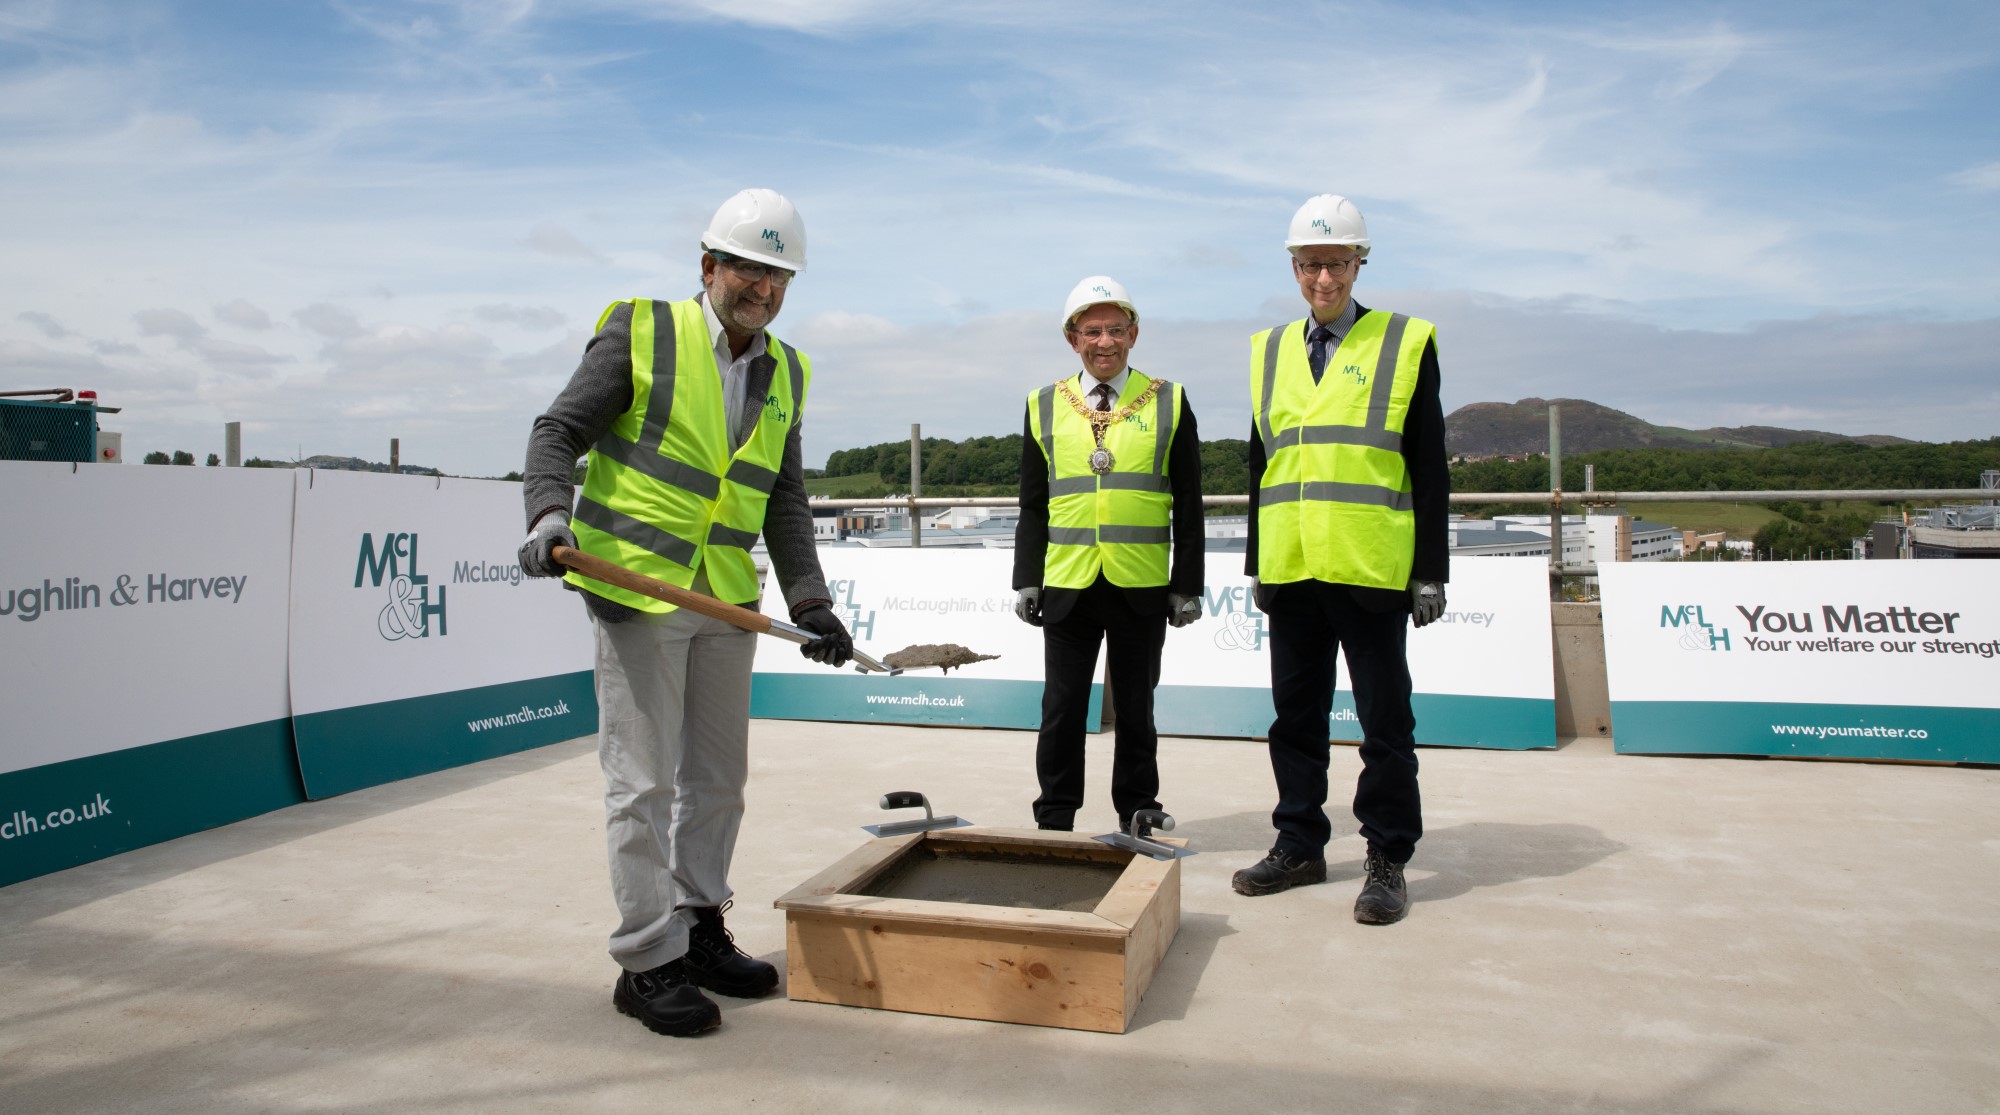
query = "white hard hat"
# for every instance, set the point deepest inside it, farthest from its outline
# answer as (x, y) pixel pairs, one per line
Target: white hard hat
(1097, 290)
(761, 225)
(1328, 219)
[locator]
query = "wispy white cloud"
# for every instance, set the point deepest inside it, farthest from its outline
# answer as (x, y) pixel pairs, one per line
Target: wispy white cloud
(527, 317)
(1985, 177)
(328, 320)
(46, 324)
(243, 315)
(1565, 193)
(168, 323)
(553, 239)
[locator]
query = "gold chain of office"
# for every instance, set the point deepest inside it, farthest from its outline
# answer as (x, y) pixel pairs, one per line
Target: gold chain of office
(1101, 460)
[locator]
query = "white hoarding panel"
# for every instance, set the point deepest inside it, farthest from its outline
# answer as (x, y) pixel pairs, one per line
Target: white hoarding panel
(892, 599)
(417, 644)
(1866, 659)
(142, 639)
(1483, 675)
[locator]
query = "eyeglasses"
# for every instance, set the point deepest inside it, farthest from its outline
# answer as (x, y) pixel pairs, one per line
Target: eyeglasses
(749, 270)
(1335, 267)
(1099, 332)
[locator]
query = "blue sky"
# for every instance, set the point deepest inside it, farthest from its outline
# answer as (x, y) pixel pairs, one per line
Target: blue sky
(342, 223)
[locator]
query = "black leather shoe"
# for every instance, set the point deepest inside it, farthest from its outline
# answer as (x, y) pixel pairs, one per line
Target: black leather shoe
(1384, 899)
(666, 1001)
(1279, 871)
(714, 961)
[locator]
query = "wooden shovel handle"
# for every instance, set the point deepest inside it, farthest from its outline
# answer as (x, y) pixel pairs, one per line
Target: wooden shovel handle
(597, 569)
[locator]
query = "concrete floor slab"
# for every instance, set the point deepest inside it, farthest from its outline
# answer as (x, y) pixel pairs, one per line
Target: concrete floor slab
(1592, 932)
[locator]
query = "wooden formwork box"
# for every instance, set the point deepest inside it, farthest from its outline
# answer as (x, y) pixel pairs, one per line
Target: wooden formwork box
(1081, 970)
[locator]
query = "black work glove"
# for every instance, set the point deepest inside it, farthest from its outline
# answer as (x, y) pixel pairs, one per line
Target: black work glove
(1028, 606)
(536, 554)
(1426, 601)
(833, 647)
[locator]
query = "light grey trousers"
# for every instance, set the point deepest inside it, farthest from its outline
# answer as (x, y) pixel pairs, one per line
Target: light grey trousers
(673, 696)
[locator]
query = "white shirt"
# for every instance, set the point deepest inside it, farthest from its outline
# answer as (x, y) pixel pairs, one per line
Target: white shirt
(735, 370)
(1086, 386)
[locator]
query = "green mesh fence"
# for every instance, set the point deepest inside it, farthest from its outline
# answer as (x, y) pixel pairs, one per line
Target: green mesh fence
(31, 431)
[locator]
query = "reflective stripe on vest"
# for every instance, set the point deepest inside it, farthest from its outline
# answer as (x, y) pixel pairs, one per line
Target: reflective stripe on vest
(664, 495)
(1120, 522)
(1334, 504)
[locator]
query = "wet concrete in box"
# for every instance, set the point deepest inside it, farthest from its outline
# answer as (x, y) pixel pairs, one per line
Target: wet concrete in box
(990, 878)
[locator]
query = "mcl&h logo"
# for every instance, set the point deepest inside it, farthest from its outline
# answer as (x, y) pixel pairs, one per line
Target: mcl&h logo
(858, 626)
(1242, 622)
(1696, 632)
(409, 610)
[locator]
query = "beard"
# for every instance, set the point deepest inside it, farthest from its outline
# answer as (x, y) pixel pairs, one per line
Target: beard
(737, 313)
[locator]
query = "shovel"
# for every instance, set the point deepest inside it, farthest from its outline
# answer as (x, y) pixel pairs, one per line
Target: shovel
(597, 569)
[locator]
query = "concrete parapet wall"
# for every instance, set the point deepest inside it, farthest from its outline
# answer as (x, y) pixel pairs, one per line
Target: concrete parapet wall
(1583, 699)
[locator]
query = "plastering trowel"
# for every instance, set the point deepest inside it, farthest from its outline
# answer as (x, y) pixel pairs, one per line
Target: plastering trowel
(909, 799)
(1144, 822)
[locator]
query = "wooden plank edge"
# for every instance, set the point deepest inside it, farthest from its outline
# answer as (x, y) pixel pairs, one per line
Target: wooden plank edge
(863, 907)
(857, 868)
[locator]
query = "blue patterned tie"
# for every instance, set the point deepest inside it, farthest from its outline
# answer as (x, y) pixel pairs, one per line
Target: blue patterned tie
(1316, 350)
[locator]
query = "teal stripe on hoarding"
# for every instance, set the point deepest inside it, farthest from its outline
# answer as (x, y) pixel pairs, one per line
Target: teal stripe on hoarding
(908, 699)
(1443, 719)
(347, 749)
(72, 812)
(1939, 734)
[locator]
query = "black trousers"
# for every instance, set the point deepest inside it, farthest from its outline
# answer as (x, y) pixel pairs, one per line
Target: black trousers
(1102, 614)
(1307, 628)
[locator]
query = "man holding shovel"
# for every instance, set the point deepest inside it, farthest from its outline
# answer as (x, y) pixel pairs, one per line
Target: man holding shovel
(690, 412)
(1108, 550)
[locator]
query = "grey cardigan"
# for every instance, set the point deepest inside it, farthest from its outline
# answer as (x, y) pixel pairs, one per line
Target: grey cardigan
(600, 391)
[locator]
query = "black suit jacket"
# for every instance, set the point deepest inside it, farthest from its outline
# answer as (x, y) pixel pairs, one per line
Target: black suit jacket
(1430, 485)
(1031, 537)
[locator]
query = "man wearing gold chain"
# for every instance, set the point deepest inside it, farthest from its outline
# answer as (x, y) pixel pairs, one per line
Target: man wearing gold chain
(1109, 548)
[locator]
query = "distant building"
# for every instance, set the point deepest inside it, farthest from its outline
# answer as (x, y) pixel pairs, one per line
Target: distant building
(1491, 538)
(1969, 531)
(1606, 537)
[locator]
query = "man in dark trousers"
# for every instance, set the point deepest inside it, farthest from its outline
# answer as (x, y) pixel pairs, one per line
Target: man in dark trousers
(1108, 550)
(1348, 543)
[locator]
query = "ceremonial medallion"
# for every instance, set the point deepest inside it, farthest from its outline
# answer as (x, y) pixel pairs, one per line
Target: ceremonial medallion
(1100, 460)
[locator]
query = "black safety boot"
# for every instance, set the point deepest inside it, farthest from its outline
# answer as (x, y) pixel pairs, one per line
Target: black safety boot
(1279, 871)
(714, 961)
(1384, 899)
(666, 1001)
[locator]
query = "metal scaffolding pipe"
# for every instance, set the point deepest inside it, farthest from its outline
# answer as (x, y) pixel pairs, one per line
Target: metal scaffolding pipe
(1598, 498)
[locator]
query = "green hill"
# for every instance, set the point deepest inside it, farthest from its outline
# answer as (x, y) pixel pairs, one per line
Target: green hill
(1507, 429)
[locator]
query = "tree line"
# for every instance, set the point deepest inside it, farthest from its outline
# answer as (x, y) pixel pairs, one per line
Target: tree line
(1954, 464)
(996, 461)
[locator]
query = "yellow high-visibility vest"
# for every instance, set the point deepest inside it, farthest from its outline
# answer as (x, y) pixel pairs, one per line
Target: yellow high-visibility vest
(1119, 522)
(1335, 501)
(664, 495)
